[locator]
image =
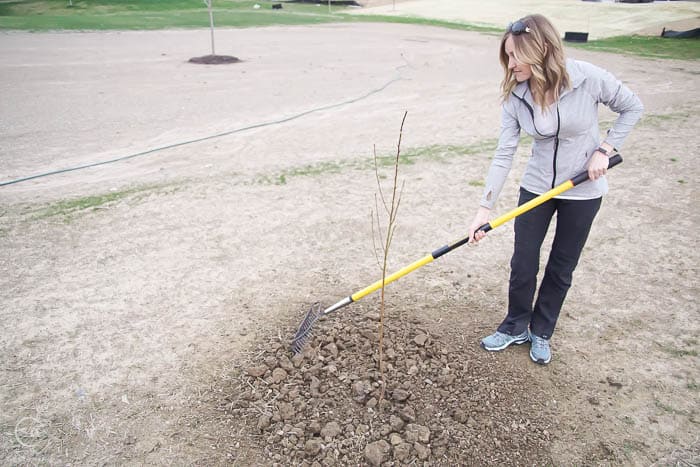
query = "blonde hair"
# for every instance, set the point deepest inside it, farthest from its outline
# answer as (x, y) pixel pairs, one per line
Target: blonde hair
(543, 50)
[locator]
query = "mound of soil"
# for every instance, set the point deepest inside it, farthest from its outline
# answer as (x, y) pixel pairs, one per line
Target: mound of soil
(334, 2)
(441, 400)
(214, 59)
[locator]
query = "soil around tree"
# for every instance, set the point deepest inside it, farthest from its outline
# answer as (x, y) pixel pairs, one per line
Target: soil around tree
(437, 400)
(214, 60)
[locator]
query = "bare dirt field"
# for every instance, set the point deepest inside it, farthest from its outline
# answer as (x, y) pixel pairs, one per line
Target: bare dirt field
(147, 303)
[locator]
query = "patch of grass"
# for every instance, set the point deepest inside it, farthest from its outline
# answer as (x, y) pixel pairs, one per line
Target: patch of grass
(667, 408)
(630, 448)
(308, 170)
(630, 445)
(636, 322)
(677, 352)
(319, 168)
(646, 46)
(628, 420)
(437, 152)
(70, 207)
(692, 385)
(476, 183)
(486, 29)
(662, 406)
(658, 119)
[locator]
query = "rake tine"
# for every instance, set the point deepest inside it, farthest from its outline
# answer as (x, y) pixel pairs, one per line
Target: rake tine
(300, 341)
(304, 332)
(313, 315)
(309, 319)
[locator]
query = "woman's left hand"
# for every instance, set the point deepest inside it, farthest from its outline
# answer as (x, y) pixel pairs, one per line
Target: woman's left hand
(598, 166)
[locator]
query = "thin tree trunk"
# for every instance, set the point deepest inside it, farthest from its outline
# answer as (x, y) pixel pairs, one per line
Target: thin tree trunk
(211, 23)
(391, 210)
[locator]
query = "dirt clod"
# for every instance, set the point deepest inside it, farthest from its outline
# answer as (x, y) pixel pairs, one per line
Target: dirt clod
(423, 452)
(312, 447)
(377, 452)
(421, 339)
(400, 395)
(278, 375)
(417, 433)
(330, 431)
(257, 371)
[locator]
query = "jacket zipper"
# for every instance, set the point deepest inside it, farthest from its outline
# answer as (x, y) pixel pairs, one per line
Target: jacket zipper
(556, 136)
(556, 148)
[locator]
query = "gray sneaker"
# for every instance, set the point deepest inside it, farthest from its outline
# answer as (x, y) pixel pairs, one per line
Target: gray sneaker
(499, 340)
(539, 350)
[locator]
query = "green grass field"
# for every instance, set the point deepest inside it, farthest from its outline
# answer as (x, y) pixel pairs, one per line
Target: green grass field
(46, 15)
(648, 46)
(42, 15)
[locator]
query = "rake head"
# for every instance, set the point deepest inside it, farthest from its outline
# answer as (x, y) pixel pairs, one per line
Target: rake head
(304, 333)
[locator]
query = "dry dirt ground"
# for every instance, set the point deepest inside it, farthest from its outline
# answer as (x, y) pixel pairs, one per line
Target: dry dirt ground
(148, 303)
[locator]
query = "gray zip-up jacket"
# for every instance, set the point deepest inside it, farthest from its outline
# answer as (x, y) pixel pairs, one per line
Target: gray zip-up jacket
(560, 156)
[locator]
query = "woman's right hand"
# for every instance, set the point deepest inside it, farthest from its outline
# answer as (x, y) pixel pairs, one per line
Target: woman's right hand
(481, 218)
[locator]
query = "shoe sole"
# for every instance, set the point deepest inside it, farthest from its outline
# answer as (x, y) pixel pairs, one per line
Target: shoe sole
(540, 361)
(496, 349)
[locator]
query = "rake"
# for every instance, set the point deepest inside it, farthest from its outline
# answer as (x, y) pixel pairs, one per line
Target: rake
(316, 311)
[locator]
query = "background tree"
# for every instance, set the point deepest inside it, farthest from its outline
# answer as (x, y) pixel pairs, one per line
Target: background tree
(213, 59)
(208, 3)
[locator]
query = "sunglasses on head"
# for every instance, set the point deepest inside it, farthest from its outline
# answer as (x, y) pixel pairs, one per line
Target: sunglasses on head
(518, 28)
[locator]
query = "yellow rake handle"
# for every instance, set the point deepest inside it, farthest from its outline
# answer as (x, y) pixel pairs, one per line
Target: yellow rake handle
(391, 278)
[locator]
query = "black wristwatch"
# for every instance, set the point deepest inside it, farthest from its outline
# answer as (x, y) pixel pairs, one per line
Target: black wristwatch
(603, 150)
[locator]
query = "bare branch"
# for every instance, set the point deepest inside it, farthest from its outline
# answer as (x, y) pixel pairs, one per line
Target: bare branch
(374, 235)
(398, 198)
(379, 221)
(376, 175)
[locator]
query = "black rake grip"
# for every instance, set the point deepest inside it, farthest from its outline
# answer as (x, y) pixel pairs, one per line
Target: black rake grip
(583, 176)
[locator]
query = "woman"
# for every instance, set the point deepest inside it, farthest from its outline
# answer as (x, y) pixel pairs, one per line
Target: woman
(555, 100)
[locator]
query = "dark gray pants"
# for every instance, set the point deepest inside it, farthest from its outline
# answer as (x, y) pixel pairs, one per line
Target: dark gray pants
(574, 219)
